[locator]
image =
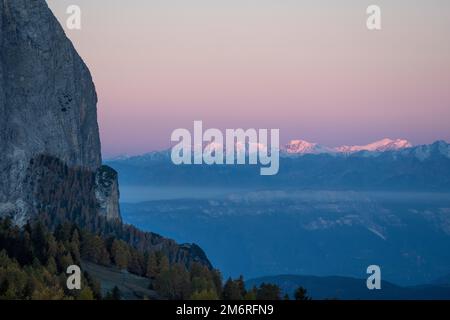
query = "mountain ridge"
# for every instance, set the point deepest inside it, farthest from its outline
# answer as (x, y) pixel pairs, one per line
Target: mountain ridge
(349, 288)
(420, 168)
(302, 147)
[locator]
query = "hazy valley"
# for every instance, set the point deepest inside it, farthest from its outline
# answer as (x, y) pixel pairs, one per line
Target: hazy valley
(323, 214)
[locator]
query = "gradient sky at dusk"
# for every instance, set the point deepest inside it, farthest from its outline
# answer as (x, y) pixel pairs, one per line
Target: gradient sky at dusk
(309, 68)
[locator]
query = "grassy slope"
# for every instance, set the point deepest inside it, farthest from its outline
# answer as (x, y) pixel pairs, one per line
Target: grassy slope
(131, 286)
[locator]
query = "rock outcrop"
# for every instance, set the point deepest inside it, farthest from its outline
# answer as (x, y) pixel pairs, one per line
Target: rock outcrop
(47, 105)
(107, 192)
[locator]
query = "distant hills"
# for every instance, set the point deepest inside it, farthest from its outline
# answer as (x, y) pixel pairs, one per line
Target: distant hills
(346, 288)
(384, 165)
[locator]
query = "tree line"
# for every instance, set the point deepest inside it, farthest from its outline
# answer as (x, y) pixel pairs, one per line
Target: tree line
(67, 228)
(34, 260)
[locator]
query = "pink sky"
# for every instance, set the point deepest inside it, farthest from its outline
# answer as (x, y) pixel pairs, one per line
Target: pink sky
(309, 68)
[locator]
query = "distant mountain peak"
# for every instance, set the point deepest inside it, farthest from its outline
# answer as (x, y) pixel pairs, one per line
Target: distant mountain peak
(238, 146)
(119, 157)
(305, 147)
(439, 147)
(385, 144)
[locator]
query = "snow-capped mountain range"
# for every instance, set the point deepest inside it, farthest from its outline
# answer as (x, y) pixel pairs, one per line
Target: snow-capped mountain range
(305, 147)
(301, 147)
(379, 166)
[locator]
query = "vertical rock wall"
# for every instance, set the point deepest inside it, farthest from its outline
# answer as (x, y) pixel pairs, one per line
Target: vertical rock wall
(47, 104)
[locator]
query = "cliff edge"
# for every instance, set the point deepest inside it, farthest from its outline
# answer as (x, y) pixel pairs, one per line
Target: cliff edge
(47, 106)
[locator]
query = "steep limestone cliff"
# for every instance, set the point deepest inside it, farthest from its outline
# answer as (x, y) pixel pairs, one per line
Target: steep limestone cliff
(50, 158)
(47, 105)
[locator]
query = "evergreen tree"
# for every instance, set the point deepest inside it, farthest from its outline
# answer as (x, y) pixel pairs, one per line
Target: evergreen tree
(241, 283)
(217, 280)
(301, 294)
(205, 295)
(173, 283)
(85, 294)
(152, 266)
(251, 294)
(164, 264)
(75, 246)
(120, 254)
(51, 265)
(232, 290)
(114, 294)
(268, 291)
(136, 262)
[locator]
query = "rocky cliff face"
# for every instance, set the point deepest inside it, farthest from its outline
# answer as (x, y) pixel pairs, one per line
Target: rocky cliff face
(50, 160)
(47, 106)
